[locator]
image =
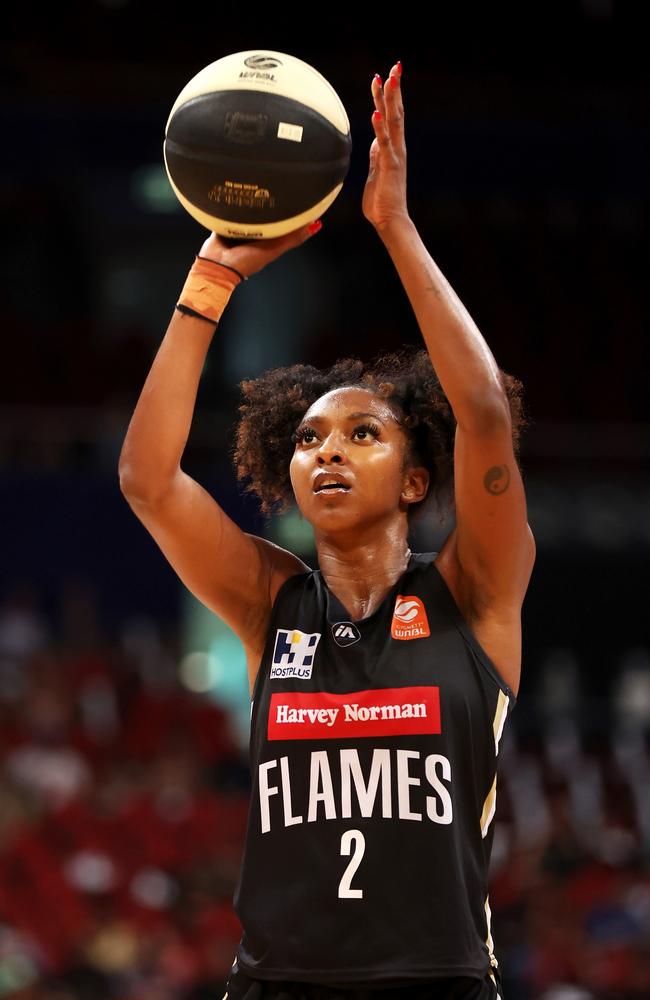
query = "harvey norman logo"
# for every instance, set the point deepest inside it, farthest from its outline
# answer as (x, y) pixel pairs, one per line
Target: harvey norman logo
(293, 654)
(379, 712)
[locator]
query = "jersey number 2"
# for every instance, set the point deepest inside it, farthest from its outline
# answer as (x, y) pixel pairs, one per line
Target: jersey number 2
(345, 892)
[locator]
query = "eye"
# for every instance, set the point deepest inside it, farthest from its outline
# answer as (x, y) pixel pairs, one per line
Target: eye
(302, 435)
(366, 429)
(306, 434)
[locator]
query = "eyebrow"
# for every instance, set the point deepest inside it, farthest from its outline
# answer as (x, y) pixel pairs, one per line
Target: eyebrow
(350, 416)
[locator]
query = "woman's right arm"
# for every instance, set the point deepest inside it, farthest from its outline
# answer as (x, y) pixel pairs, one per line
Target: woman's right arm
(233, 573)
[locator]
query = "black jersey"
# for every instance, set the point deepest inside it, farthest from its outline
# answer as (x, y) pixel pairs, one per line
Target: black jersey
(373, 754)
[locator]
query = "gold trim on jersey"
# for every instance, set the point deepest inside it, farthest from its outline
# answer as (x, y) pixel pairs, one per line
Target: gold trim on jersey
(500, 718)
(489, 806)
(488, 941)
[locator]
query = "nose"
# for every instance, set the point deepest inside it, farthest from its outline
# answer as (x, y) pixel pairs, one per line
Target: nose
(331, 450)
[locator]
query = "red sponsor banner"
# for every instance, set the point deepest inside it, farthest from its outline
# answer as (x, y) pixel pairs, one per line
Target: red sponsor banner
(297, 715)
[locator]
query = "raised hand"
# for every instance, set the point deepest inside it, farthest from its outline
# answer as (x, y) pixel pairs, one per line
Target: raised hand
(252, 255)
(384, 196)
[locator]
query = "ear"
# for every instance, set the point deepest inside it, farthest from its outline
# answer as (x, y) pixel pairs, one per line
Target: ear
(416, 485)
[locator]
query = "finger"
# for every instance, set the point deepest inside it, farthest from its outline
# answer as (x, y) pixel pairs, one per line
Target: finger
(302, 234)
(382, 134)
(379, 115)
(378, 92)
(372, 165)
(389, 105)
(297, 236)
(394, 107)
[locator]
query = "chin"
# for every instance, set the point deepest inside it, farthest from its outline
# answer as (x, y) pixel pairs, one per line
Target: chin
(333, 516)
(317, 506)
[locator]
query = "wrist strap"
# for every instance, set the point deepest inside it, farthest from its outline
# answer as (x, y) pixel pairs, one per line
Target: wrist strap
(244, 277)
(207, 289)
(192, 312)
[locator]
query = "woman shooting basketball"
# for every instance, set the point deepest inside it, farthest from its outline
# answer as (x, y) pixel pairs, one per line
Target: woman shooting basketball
(380, 682)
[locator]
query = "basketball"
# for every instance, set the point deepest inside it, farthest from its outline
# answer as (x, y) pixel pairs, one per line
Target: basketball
(257, 144)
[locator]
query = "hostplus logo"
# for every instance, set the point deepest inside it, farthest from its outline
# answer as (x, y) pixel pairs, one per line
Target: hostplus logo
(293, 655)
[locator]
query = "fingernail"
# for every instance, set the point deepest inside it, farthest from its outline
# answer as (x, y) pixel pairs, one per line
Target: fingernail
(378, 78)
(393, 81)
(399, 67)
(313, 227)
(376, 115)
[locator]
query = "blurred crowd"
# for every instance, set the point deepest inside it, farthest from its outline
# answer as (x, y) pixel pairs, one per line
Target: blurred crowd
(123, 804)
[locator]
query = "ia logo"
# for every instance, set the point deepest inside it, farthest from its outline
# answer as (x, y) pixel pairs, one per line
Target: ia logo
(345, 633)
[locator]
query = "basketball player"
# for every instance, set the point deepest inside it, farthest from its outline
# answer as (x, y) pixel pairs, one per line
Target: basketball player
(380, 683)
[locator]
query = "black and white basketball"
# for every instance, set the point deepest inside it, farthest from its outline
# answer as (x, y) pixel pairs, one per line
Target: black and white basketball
(257, 144)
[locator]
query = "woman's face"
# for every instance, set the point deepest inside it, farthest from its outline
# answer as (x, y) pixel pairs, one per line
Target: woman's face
(352, 436)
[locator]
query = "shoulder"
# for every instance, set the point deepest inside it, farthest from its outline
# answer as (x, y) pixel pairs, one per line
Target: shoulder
(281, 564)
(280, 567)
(472, 597)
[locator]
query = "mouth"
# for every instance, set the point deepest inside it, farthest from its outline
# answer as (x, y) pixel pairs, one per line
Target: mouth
(330, 482)
(337, 488)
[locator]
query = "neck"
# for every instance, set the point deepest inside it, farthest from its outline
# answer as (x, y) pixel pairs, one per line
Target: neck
(362, 571)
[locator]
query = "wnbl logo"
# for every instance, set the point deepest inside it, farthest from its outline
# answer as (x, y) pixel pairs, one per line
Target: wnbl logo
(409, 618)
(345, 633)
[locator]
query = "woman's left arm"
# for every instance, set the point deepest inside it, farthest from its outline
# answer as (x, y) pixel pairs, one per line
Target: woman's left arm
(494, 544)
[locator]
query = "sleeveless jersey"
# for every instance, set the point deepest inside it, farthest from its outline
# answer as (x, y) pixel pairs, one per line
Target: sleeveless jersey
(373, 753)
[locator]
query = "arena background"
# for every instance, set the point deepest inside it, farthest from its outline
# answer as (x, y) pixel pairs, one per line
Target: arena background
(123, 702)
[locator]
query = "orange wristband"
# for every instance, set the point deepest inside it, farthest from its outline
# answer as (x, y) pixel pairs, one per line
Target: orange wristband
(207, 289)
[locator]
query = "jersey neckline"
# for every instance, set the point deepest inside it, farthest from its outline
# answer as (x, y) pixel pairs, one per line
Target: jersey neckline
(337, 612)
(335, 607)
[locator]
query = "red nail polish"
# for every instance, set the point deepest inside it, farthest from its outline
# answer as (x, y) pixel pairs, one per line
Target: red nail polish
(376, 115)
(313, 227)
(378, 78)
(399, 67)
(393, 81)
